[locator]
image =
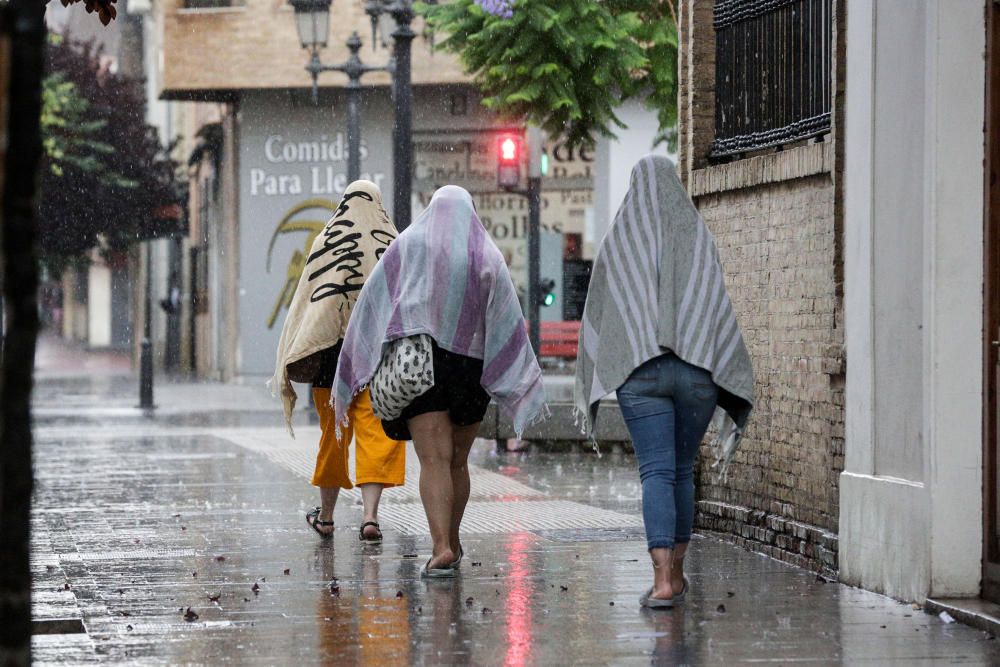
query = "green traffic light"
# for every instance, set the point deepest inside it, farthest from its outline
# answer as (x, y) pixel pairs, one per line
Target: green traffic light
(544, 166)
(550, 299)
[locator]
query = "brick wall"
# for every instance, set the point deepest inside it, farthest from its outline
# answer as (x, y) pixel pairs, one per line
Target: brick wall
(777, 242)
(775, 217)
(255, 45)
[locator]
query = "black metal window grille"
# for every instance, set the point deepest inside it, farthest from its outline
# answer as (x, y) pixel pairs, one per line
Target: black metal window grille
(772, 73)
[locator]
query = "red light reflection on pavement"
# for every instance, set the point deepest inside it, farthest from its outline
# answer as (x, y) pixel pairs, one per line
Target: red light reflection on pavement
(518, 603)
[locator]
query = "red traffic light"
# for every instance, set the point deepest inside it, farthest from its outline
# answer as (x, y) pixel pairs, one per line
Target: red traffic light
(509, 161)
(508, 150)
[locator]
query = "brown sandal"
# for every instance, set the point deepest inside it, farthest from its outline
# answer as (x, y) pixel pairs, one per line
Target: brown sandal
(312, 518)
(370, 540)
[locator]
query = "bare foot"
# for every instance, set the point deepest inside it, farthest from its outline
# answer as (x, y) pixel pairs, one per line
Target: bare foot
(677, 577)
(371, 530)
(320, 523)
(665, 593)
(442, 560)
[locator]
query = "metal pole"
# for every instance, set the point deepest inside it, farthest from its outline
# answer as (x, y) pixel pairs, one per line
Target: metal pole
(402, 129)
(353, 130)
(146, 354)
(354, 71)
(534, 259)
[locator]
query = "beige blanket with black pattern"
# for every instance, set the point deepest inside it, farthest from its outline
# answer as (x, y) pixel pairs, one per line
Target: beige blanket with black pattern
(340, 260)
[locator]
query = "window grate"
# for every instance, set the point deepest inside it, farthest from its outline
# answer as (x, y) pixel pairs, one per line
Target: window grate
(772, 73)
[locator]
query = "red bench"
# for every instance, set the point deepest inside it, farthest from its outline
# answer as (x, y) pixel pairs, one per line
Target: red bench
(558, 339)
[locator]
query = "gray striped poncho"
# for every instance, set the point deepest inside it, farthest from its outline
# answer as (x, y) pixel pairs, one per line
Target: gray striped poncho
(658, 285)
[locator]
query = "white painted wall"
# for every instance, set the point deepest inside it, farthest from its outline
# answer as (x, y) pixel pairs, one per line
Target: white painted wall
(98, 305)
(615, 159)
(911, 505)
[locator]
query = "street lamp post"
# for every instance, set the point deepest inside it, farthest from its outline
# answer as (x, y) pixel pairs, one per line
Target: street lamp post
(146, 348)
(402, 128)
(313, 22)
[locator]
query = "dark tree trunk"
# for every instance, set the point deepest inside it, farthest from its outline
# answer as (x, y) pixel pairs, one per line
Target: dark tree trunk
(23, 40)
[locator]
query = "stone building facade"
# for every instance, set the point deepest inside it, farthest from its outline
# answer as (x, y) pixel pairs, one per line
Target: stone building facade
(777, 220)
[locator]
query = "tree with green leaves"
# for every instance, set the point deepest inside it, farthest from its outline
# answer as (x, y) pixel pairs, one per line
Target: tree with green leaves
(565, 65)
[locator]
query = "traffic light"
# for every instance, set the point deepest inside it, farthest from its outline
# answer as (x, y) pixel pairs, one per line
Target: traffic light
(546, 290)
(509, 160)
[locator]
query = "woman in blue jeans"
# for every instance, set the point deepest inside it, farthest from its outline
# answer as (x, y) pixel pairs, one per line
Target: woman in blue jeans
(659, 329)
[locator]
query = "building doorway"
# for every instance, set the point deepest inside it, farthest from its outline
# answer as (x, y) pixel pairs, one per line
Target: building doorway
(991, 337)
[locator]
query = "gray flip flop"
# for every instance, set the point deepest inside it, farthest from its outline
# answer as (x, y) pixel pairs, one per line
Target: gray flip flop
(437, 572)
(458, 561)
(656, 603)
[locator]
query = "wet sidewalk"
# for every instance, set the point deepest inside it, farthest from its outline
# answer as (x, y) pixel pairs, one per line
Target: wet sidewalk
(181, 544)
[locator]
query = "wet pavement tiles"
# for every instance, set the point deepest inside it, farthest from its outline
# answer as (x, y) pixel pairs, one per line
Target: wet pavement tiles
(189, 546)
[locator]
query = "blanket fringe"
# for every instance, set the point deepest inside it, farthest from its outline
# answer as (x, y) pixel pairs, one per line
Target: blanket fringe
(345, 422)
(727, 439)
(539, 417)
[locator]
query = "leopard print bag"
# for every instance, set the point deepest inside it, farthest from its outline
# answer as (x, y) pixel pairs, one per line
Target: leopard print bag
(405, 372)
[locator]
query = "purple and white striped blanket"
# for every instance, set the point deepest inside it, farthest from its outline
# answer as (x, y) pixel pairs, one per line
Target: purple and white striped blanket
(444, 276)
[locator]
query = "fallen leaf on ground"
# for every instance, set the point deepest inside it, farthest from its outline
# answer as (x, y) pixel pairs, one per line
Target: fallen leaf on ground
(721, 609)
(184, 527)
(487, 610)
(730, 594)
(129, 628)
(214, 597)
(611, 604)
(469, 601)
(220, 559)
(194, 574)
(399, 595)
(288, 571)
(190, 616)
(256, 588)
(563, 588)
(476, 563)
(66, 587)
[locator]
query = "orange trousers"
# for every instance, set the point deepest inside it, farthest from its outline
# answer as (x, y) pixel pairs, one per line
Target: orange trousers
(379, 460)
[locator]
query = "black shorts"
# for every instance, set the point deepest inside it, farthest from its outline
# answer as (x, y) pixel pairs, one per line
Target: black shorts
(456, 390)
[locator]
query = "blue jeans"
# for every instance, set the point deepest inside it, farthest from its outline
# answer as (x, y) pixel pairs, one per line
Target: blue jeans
(667, 404)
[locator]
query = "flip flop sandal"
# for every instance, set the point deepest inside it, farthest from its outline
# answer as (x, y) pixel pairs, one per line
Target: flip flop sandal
(437, 572)
(458, 561)
(312, 518)
(657, 603)
(370, 540)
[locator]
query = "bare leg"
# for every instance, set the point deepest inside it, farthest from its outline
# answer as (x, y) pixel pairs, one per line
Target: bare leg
(371, 494)
(677, 569)
(328, 501)
(432, 438)
(462, 439)
(662, 573)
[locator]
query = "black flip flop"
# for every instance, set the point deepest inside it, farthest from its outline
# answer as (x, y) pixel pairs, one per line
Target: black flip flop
(370, 540)
(312, 518)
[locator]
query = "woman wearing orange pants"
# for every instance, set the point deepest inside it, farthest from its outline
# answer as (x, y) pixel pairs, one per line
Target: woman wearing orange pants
(340, 259)
(380, 462)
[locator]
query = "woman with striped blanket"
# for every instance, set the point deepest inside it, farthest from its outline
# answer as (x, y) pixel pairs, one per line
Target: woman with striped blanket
(658, 328)
(437, 332)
